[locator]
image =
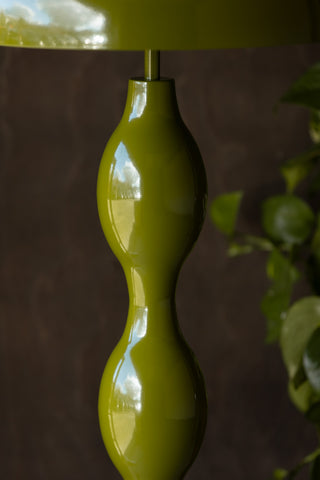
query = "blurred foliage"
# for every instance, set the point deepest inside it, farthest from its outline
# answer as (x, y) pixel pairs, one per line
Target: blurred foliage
(291, 239)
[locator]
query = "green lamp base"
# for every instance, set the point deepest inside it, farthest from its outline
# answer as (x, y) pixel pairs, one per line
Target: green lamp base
(151, 200)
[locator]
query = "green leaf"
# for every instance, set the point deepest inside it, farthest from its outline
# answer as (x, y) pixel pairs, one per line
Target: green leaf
(302, 319)
(224, 212)
(274, 307)
(276, 301)
(306, 90)
(298, 168)
(302, 397)
(280, 270)
(280, 474)
(287, 219)
(311, 360)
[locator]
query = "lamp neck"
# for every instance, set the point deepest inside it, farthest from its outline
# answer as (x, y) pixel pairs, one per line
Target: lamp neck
(152, 65)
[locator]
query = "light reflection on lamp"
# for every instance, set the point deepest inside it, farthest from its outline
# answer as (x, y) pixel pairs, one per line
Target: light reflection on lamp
(125, 175)
(52, 24)
(128, 390)
(68, 14)
(139, 106)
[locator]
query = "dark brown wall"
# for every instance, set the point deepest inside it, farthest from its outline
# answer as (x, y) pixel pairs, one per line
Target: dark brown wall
(63, 298)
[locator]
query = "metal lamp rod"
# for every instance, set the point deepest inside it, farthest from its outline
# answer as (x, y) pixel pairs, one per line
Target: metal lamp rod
(152, 64)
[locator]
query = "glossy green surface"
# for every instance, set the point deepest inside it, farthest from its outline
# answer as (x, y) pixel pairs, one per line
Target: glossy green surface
(151, 198)
(157, 25)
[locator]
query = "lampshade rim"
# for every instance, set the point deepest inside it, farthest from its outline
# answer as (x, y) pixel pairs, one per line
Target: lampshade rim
(162, 25)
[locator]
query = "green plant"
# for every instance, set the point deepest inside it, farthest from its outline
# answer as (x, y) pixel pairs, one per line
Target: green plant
(291, 239)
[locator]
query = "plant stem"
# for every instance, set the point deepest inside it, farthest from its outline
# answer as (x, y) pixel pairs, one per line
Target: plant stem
(305, 461)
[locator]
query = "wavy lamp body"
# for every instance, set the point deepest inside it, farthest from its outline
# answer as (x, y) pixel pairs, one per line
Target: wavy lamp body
(151, 199)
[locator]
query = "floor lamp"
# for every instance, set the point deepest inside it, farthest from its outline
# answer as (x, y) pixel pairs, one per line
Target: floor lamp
(151, 200)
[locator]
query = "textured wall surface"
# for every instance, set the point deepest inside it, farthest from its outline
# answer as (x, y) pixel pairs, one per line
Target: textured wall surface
(63, 298)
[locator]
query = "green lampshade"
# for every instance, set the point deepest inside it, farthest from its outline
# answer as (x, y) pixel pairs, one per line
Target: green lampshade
(157, 24)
